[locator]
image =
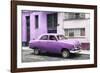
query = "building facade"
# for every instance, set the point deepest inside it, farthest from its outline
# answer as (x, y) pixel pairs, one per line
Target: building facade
(75, 26)
(72, 25)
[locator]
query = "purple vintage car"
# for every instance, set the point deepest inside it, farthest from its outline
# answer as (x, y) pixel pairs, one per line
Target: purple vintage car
(55, 43)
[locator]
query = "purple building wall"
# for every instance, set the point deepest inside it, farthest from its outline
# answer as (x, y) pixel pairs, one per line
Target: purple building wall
(42, 27)
(24, 37)
(34, 32)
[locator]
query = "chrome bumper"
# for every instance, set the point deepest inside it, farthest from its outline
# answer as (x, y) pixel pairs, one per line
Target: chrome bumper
(76, 50)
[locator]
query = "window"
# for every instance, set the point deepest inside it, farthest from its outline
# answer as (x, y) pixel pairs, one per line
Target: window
(82, 15)
(77, 15)
(70, 16)
(36, 21)
(71, 33)
(51, 37)
(61, 37)
(82, 32)
(75, 32)
(45, 37)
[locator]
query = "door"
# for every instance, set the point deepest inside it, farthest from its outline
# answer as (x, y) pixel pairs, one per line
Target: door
(52, 23)
(43, 43)
(28, 29)
(53, 44)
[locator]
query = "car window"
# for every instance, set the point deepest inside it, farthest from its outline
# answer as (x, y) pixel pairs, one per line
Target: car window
(52, 37)
(61, 37)
(45, 37)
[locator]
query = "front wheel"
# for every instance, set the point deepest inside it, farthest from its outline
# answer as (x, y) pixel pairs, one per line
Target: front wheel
(65, 53)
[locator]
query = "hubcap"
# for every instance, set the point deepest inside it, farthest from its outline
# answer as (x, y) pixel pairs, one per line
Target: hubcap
(36, 51)
(65, 54)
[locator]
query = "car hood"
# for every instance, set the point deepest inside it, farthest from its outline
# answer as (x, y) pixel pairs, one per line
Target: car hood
(70, 41)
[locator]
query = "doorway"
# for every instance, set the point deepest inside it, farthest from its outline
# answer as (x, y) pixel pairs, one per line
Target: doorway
(27, 30)
(52, 23)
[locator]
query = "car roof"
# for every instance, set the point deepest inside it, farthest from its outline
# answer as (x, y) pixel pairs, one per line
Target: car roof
(48, 34)
(51, 34)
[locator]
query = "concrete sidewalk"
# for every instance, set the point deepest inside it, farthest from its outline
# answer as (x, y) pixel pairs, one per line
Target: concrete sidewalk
(84, 52)
(81, 52)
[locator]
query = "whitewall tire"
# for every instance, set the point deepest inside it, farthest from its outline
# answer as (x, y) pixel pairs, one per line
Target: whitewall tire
(65, 53)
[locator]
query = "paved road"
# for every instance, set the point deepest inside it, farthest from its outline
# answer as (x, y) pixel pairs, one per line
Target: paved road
(28, 56)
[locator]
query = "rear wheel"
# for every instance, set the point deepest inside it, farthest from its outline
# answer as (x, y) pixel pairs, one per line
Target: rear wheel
(65, 53)
(36, 51)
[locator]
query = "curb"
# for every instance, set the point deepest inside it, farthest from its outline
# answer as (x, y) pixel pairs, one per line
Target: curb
(81, 52)
(84, 52)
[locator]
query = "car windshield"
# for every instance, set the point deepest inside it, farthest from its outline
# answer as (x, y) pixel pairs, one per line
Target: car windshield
(61, 37)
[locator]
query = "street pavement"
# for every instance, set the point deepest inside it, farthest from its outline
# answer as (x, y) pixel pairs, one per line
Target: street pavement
(28, 56)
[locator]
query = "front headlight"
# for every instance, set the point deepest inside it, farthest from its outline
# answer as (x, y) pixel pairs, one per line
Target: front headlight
(77, 46)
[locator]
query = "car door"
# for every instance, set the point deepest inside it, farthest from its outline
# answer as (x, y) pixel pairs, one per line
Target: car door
(53, 45)
(43, 42)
